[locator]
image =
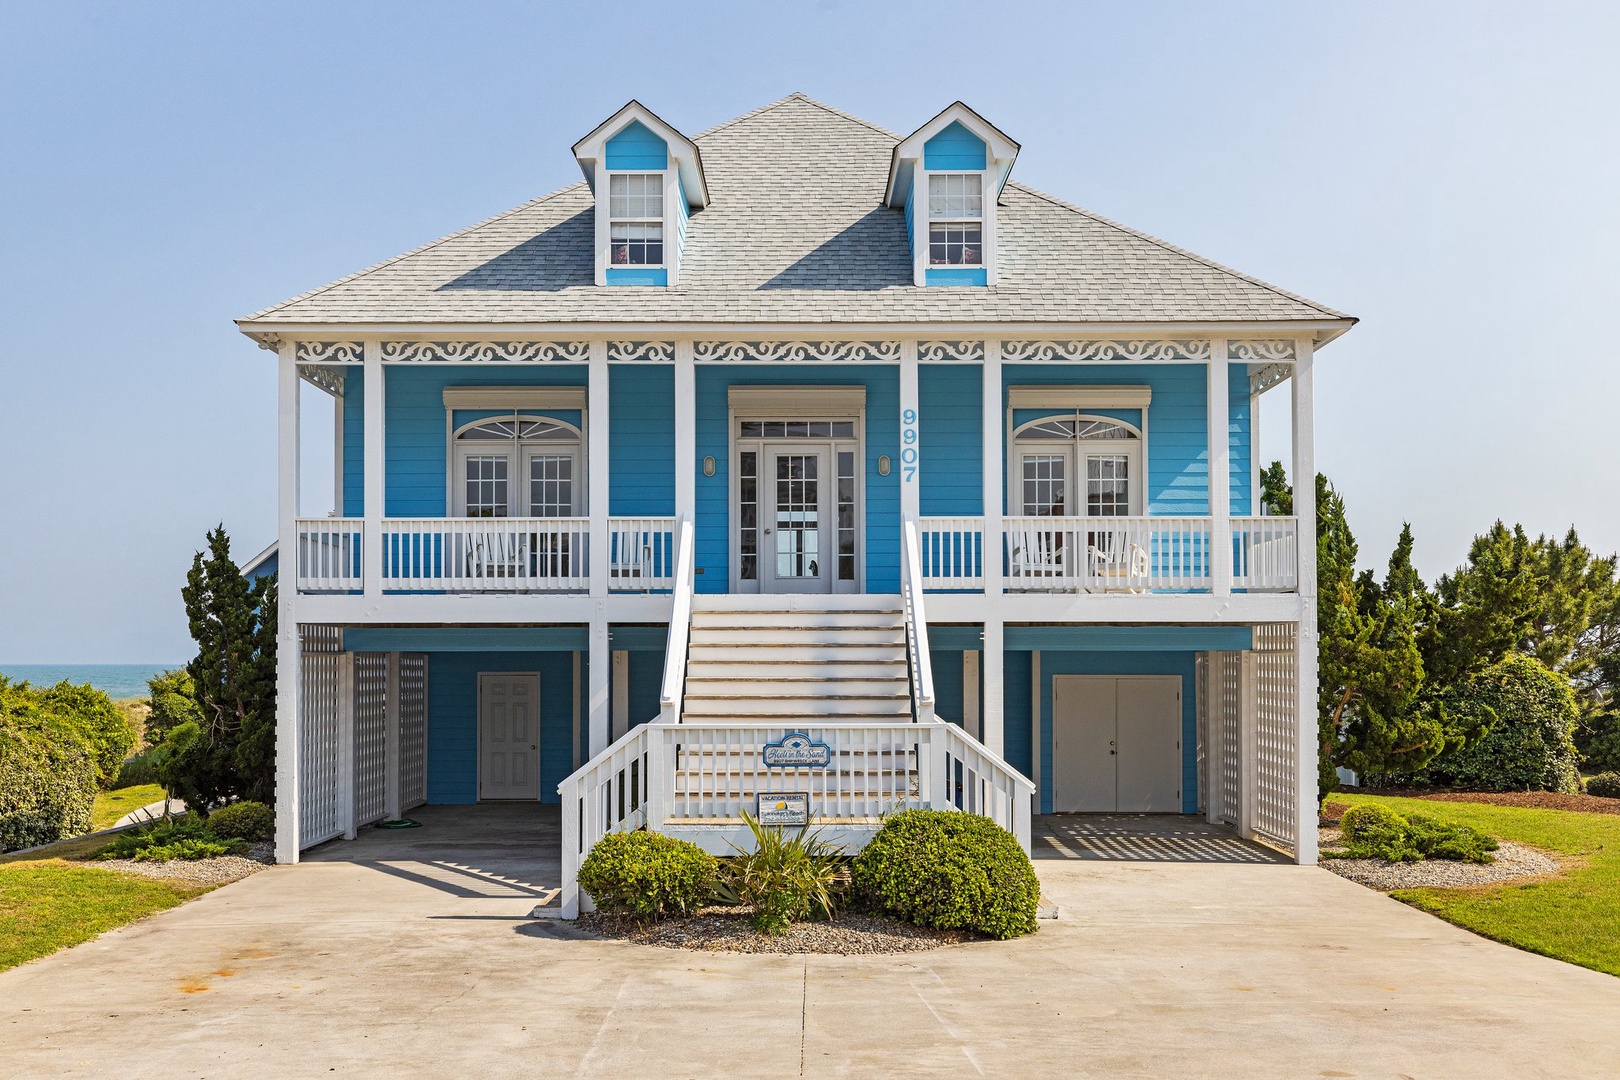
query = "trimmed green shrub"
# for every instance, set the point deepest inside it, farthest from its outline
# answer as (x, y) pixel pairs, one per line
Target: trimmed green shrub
(246, 820)
(188, 848)
(1528, 716)
(785, 878)
(1597, 737)
(1377, 832)
(1606, 785)
(646, 875)
(950, 870)
(48, 774)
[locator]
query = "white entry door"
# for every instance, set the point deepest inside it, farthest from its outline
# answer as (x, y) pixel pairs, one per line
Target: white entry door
(1116, 744)
(798, 553)
(508, 736)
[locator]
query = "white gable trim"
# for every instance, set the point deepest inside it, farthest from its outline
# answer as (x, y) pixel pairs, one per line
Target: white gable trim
(1001, 150)
(683, 152)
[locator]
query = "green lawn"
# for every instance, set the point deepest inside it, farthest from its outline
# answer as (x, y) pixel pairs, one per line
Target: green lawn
(112, 805)
(51, 905)
(1573, 916)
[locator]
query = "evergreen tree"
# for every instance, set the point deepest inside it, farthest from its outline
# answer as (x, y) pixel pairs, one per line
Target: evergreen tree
(229, 752)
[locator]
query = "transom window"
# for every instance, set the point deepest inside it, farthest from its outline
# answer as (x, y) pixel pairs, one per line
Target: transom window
(955, 219)
(542, 455)
(1098, 473)
(636, 219)
(796, 429)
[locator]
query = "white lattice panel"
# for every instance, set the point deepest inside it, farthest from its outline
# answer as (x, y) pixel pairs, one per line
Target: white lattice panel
(1228, 696)
(1276, 727)
(319, 660)
(1201, 728)
(412, 730)
(370, 736)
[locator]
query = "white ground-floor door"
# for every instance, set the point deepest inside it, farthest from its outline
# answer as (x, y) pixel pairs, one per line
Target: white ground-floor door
(1116, 744)
(508, 736)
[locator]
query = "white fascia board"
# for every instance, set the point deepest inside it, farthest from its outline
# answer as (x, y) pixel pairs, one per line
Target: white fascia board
(1079, 397)
(683, 152)
(775, 398)
(1002, 149)
(514, 397)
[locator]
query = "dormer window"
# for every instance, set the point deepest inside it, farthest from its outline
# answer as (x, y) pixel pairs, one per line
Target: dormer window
(955, 219)
(636, 211)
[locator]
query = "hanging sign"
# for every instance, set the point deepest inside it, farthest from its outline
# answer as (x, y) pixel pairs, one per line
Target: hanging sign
(796, 750)
(782, 808)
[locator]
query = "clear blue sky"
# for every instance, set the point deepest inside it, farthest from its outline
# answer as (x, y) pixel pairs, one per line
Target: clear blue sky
(1447, 172)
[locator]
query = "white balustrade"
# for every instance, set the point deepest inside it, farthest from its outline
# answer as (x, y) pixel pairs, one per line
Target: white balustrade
(671, 694)
(977, 781)
(608, 794)
(952, 551)
(1265, 553)
(328, 558)
(1113, 554)
(641, 554)
(911, 590)
(485, 554)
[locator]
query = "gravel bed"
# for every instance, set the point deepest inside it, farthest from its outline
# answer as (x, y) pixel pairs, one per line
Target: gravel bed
(216, 871)
(727, 930)
(1512, 861)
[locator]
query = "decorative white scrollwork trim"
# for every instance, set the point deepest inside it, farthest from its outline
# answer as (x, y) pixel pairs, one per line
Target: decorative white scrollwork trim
(1261, 352)
(486, 352)
(323, 377)
(1044, 352)
(1265, 378)
(641, 352)
(940, 352)
(329, 352)
(787, 352)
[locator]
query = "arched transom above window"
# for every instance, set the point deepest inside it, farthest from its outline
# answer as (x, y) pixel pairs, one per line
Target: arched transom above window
(520, 429)
(1079, 428)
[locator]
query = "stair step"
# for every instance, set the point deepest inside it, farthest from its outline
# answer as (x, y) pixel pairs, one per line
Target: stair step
(820, 652)
(797, 619)
(802, 719)
(793, 671)
(709, 686)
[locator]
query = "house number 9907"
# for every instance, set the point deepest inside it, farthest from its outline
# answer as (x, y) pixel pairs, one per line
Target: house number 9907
(908, 445)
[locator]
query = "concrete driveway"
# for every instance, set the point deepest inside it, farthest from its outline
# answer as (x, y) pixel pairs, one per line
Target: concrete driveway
(413, 954)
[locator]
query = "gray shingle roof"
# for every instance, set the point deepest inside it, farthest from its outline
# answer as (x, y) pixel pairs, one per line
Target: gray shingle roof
(796, 233)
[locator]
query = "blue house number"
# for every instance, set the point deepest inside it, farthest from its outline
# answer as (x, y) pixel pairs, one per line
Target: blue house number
(908, 445)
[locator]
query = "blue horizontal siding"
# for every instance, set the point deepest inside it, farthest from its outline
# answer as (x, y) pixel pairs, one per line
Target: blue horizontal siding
(950, 439)
(637, 276)
(1125, 663)
(1017, 674)
(354, 442)
(646, 684)
(636, 147)
(955, 147)
(1240, 422)
(452, 740)
(948, 685)
(1120, 639)
(956, 276)
(641, 439)
(712, 533)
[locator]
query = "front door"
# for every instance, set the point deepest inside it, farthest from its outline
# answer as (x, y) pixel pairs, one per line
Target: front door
(798, 553)
(508, 736)
(1116, 744)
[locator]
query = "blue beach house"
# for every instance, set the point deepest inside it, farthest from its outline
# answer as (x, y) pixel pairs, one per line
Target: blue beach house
(796, 427)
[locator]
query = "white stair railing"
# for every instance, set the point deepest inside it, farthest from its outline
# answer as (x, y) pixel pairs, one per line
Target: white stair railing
(680, 627)
(973, 778)
(612, 792)
(911, 590)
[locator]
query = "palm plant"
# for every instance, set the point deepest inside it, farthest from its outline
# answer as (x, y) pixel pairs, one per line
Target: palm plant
(787, 876)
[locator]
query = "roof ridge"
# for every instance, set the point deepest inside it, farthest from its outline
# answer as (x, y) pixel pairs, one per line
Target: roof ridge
(414, 251)
(808, 100)
(1183, 252)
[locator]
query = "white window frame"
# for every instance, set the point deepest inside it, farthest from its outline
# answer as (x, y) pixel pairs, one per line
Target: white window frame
(519, 453)
(659, 181)
(1076, 451)
(923, 219)
(947, 220)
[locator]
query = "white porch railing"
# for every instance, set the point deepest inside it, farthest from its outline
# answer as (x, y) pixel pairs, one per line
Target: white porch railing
(1117, 554)
(680, 627)
(485, 554)
(911, 595)
(1265, 553)
(701, 774)
(641, 554)
(952, 550)
(328, 558)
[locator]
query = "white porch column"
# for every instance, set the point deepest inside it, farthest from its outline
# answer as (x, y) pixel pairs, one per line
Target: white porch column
(345, 747)
(1248, 720)
(374, 482)
(1220, 471)
(993, 472)
(970, 694)
(391, 809)
(621, 695)
(1305, 640)
(910, 435)
(289, 659)
(596, 468)
(685, 433)
(992, 718)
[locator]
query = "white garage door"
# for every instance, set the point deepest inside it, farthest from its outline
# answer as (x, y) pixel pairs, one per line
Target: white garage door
(1116, 744)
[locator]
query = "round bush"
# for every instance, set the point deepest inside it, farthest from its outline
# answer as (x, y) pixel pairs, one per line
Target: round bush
(950, 870)
(245, 820)
(1605, 784)
(1528, 714)
(1371, 822)
(646, 875)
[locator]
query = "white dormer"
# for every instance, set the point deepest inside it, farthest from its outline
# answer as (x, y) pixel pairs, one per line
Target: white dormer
(647, 178)
(948, 175)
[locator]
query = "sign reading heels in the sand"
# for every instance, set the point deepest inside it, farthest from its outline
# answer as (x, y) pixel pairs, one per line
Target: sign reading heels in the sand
(796, 750)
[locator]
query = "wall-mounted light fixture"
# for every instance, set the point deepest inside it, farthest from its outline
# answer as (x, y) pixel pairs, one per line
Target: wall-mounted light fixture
(708, 466)
(883, 465)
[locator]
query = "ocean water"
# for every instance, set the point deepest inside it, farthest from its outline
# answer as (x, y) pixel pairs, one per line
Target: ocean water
(116, 680)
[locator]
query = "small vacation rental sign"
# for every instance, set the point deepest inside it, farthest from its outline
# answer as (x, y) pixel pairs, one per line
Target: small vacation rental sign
(782, 808)
(796, 750)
